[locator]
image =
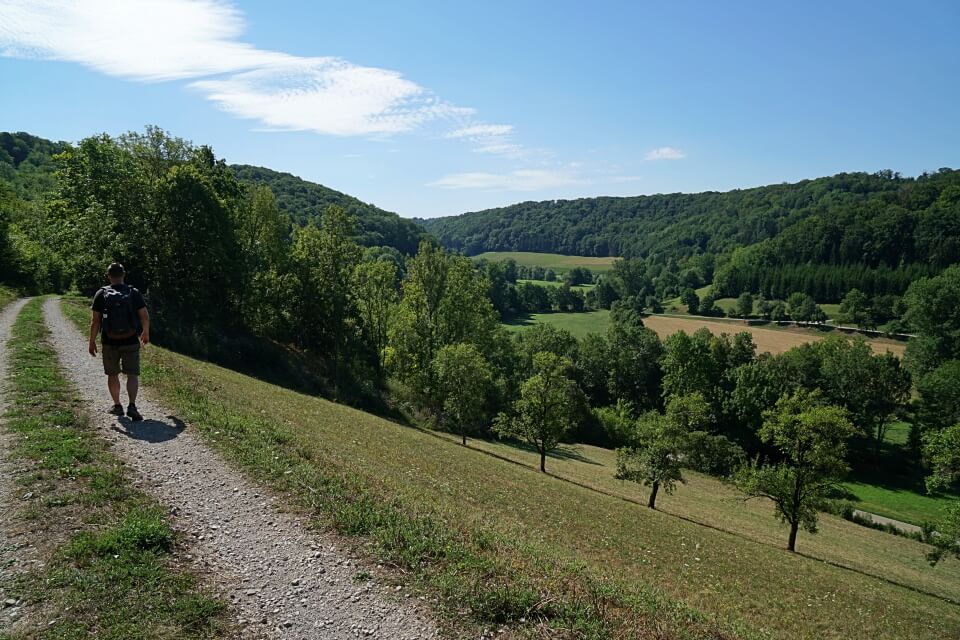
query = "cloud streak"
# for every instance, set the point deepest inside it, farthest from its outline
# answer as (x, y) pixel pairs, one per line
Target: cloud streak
(664, 153)
(521, 180)
(198, 40)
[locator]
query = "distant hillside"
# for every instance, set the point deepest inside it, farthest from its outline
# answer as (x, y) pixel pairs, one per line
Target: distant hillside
(851, 218)
(26, 163)
(304, 200)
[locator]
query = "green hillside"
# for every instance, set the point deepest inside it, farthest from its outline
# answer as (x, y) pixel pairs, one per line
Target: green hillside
(876, 232)
(304, 201)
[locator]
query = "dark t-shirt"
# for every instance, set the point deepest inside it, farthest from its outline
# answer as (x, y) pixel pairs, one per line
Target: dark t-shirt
(99, 305)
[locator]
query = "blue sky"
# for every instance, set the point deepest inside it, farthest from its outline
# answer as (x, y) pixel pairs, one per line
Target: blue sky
(431, 108)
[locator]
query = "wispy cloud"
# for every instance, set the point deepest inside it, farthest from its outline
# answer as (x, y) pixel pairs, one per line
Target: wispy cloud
(329, 96)
(664, 153)
(495, 139)
(521, 180)
(163, 40)
(481, 131)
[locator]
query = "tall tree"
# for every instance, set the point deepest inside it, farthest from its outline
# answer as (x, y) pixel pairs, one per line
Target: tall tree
(745, 305)
(811, 440)
(463, 378)
(542, 414)
(375, 289)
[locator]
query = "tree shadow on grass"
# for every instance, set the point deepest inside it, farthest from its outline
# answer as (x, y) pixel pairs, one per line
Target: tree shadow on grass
(563, 452)
(152, 431)
(520, 321)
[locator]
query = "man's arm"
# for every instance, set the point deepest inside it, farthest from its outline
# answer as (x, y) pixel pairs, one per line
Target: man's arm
(144, 325)
(96, 318)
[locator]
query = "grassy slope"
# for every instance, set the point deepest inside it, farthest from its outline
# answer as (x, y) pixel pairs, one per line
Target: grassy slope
(544, 527)
(709, 501)
(559, 263)
(109, 565)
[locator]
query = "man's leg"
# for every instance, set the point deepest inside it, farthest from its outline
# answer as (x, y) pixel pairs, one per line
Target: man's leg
(133, 386)
(113, 385)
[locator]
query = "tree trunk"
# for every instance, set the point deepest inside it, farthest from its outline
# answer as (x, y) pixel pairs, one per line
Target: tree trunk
(464, 434)
(792, 543)
(652, 503)
(543, 460)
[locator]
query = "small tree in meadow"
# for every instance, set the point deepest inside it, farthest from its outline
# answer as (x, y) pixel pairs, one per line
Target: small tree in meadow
(463, 378)
(544, 411)
(811, 439)
(655, 455)
(745, 304)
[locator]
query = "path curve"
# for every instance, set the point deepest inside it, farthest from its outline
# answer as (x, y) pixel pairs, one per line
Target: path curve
(285, 581)
(16, 553)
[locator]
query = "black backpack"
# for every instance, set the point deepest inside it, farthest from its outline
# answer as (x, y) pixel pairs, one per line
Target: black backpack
(119, 319)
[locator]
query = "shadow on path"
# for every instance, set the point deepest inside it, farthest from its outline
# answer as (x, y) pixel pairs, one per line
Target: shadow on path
(153, 431)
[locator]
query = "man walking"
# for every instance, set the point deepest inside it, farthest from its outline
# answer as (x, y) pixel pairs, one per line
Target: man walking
(120, 316)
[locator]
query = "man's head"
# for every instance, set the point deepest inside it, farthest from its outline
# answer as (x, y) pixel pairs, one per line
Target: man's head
(115, 273)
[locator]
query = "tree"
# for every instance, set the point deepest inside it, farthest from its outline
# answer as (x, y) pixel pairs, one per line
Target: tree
(444, 302)
(634, 354)
(689, 297)
(939, 405)
(942, 452)
(654, 456)
(463, 381)
(764, 307)
(801, 307)
(543, 412)
(745, 305)
(375, 289)
(871, 387)
(778, 311)
(855, 309)
(811, 440)
(933, 310)
(653, 305)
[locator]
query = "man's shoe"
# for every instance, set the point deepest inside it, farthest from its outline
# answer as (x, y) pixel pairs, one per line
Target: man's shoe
(116, 410)
(133, 414)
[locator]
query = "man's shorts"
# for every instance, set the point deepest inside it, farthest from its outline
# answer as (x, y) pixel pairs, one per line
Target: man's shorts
(125, 358)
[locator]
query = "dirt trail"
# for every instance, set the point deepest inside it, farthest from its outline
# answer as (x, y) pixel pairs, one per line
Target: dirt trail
(285, 581)
(16, 553)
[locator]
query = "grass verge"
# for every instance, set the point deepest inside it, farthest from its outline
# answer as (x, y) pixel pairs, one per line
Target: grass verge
(499, 543)
(6, 296)
(110, 566)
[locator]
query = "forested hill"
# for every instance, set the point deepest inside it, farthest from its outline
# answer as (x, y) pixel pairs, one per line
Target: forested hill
(27, 168)
(849, 218)
(26, 163)
(303, 200)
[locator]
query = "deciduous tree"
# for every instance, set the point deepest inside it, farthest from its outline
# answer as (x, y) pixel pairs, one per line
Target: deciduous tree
(811, 440)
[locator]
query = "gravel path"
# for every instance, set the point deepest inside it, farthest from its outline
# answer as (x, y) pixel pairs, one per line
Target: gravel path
(16, 553)
(284, 581)
(903, 526)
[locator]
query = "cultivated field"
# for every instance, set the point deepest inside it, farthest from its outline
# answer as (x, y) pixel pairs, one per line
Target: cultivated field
(557, 283)
(559, 263)
(739, 577)
(774, 340)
